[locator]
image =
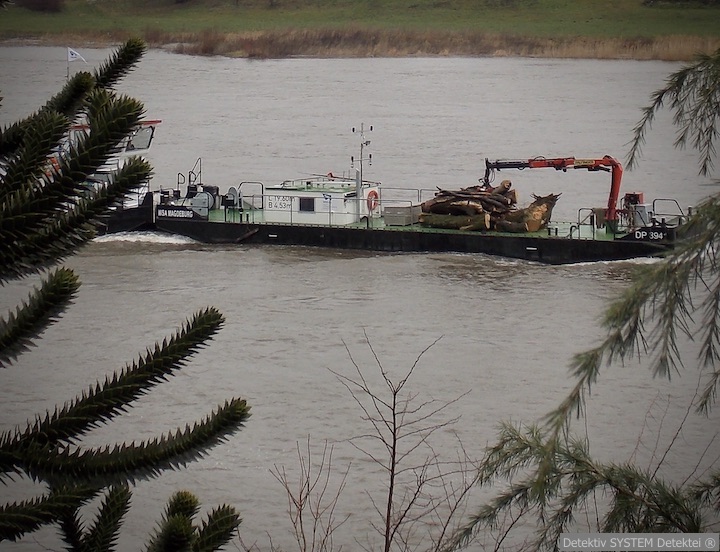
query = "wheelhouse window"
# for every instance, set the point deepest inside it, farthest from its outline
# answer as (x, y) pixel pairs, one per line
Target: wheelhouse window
(141, 138)
(307, 204)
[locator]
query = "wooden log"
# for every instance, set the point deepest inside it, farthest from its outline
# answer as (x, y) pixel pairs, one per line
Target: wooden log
(503, 200)
(492, 204)
(427, 206)
(469, 207)
(535, 216)
(457, 222)
(456, 194)
(508, 226)
(478, 226)
(479, 208)
(512, 196)
(448, 208)
(455, 207)
(502, 189)
(472, 200)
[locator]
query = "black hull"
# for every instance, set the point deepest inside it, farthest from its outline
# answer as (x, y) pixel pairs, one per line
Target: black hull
(129, 219)
(550, 250)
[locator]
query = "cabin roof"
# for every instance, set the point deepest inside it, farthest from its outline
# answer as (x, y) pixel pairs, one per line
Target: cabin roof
(324, 184)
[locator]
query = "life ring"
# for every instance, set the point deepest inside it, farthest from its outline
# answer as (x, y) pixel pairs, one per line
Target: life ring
(52, 166)
(372, 200)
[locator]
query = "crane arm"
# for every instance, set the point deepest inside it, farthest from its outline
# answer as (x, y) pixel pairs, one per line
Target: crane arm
(606, 163)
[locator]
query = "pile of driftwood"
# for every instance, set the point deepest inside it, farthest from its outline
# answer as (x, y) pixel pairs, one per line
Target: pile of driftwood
(487, 208)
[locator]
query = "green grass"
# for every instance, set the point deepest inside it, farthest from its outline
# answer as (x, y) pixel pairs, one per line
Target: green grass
(591, 18)
(542, 19)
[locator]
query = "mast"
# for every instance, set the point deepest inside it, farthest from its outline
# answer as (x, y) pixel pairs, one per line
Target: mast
(359, 176)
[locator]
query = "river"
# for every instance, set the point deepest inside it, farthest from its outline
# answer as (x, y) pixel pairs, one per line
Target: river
(507, 329)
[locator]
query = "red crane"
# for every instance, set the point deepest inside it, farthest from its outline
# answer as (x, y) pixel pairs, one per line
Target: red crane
(607, 163)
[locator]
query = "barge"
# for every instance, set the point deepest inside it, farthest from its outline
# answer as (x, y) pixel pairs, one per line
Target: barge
(348, 212)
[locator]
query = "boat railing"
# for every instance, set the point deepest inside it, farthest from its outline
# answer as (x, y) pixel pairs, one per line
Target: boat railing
(667, 211)
(590, 220)
(195, 174)
(662, 212)
(260, 208)
(251, 194)
(414, 195)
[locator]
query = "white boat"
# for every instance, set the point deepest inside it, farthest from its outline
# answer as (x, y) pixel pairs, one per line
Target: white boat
(329, 200)
(136, 210)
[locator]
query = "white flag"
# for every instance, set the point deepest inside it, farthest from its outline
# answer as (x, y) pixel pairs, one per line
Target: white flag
(74, 56)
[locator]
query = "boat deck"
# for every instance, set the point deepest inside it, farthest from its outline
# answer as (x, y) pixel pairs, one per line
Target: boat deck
(560, 243)
(343, 213)
(573, 230)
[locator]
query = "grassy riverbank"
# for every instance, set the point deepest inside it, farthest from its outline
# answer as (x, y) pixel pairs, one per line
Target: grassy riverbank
(336, 28)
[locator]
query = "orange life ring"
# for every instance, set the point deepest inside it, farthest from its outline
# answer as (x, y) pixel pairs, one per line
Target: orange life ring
(372, 200)
(52, 166)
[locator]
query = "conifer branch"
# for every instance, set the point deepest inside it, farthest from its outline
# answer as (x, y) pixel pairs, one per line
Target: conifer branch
(655, 310)
(558, 478)
(43, 308)
(103, 533)
(101, 403)
(135, 461)
(51, 218)
(70, 99)
(217, 531)
(31, 163)
(182, 503)
(175, 531)
(134, 173)
(46, 214)
(708, 492)
(120, 63)
(67, 102)
(110, 118)
(71, 528)
(19, 518)
(552, 476)
(693, 94)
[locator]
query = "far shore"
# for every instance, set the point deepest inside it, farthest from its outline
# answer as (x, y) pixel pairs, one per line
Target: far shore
(349, 43)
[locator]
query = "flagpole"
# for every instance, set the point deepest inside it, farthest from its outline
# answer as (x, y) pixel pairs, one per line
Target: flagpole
(72, 55)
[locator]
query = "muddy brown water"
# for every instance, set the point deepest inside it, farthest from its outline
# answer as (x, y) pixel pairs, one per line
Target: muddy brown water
(507, 329)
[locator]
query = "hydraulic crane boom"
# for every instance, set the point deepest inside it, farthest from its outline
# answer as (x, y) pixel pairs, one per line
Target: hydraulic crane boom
(607, 163)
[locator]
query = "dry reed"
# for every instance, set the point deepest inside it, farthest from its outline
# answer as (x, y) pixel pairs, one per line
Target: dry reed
(356, 42)
(362, 42)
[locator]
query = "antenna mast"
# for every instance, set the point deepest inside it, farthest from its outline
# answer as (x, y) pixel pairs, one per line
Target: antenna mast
(363, 144)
